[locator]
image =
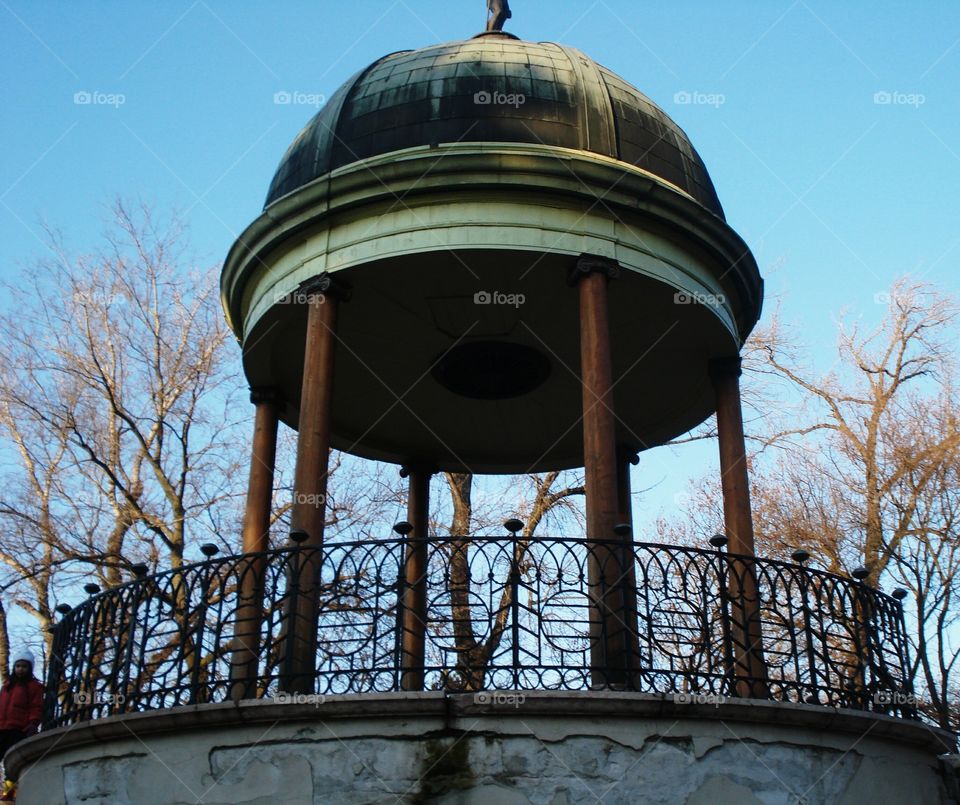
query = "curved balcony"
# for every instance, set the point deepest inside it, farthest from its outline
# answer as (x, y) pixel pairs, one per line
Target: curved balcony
(480, 614)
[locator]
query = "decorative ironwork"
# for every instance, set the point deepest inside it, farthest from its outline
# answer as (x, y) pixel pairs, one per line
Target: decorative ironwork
(502, 613)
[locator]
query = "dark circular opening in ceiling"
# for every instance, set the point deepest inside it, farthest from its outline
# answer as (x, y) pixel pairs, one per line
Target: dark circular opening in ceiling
(491, 370)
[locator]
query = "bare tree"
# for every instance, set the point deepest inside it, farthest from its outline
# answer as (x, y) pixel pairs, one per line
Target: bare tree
(115, 403)
(547, 498)
(865, 470)
(926, 504)
(877, 419)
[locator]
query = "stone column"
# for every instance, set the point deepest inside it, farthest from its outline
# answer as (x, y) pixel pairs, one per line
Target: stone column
(626, 458)
(745, 623)
(321, 295)
(609, 657)
(414, 621)
(244, 663)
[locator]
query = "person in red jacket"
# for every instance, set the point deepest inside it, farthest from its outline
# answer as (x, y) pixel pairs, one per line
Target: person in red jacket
(21, 703)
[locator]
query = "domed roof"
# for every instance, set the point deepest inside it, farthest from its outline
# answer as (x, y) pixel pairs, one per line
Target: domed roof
(492, 88)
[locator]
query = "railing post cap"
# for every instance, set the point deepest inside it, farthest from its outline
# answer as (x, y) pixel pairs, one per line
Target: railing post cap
(800, 556)
(622, 529)
(403, 528)
(718, 540)
(513, 525)
(209, 550)
(64, 609)
(899, 593)
(860, 573)
(298, 535)
(91, 589)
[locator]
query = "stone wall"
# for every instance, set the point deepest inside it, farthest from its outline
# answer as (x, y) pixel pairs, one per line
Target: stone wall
(538, 748)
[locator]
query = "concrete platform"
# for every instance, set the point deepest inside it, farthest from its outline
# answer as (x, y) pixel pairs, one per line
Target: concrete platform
(547, 748)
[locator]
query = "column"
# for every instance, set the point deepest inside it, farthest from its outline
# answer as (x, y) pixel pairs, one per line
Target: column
(745, 627)
(626, 458)
(244, 662)
(414, 603)
(608, 652)
(321, 295)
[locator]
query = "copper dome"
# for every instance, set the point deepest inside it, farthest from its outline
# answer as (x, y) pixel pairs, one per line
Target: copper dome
(493, 88)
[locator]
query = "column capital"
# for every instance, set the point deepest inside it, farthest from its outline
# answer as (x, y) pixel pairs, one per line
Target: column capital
(264, 394)
(588, 264)
(724, 367)
(325, 285)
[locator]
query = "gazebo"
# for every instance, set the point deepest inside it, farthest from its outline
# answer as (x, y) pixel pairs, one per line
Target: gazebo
(489, 256)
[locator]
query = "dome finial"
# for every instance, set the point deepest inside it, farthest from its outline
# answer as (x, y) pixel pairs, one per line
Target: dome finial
(498, 12)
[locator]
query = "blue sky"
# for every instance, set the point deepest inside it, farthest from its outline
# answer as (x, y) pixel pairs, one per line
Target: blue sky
(830, 130)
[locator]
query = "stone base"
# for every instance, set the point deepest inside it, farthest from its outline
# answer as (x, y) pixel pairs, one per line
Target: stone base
(534, 747)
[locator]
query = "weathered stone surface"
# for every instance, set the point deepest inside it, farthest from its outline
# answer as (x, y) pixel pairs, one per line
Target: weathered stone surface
(102, 781)
(516, 758)
(722, 791)
(257, 777)
(482, 795)
(888, 781)
(704, 743)
(514, 770)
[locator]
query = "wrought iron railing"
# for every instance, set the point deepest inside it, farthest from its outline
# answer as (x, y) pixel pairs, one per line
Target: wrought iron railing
(502, 613)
